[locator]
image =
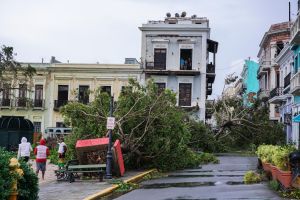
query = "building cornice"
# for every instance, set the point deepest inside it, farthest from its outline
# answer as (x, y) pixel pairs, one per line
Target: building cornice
(93, 70)
(182, 28)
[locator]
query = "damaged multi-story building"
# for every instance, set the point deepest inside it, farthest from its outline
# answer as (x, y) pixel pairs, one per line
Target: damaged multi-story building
(178, 54)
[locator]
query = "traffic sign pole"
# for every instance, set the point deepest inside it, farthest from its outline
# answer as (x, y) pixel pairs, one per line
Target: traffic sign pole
(109, 152)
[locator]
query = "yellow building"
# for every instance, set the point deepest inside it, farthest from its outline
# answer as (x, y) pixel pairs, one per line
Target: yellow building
(55, 84)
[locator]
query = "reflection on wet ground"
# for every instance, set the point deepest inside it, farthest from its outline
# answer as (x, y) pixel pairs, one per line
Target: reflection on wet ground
(187, 198)
(188, 184)
(202, 175)
(223, 181)
(178, 184)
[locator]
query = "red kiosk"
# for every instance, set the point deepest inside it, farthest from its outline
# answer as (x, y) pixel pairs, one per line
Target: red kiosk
(93, 151)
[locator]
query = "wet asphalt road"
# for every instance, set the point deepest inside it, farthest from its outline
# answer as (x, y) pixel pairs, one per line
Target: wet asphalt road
(214, 181)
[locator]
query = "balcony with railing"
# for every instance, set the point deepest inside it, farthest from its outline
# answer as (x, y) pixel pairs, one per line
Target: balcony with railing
(276, 92)
(287, 80)
(5, 103)
(159, 68)
(295, 84)
(59, 103)
(210, 68)
(295, 32)
(38, 104)
(156, 65)
(22, 102)
(210, 72)
(277, 96)
(263, 94)
(264, 67)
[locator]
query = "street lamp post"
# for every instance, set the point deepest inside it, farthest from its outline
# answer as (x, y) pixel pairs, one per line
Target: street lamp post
(109, 153)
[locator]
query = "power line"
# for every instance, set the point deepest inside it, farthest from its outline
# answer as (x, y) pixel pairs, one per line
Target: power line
(231, 66)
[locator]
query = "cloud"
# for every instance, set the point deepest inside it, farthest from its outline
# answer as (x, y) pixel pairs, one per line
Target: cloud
(107, 31)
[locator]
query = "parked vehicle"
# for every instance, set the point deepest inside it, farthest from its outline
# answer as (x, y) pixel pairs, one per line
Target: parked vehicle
(56, 132)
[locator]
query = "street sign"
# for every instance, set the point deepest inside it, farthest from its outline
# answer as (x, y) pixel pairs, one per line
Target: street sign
(110, 123)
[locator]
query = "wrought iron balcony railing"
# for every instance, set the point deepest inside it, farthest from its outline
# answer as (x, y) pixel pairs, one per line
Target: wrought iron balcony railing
(276, 92)
(287, 80)
(210, 68)
(156, 65)
(39, 103)
(5, 102)
(59, 103)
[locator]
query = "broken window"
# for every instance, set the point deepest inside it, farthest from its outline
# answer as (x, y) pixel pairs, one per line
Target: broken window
(186, 59)
(279, 47)
(83, 96)
(160, 58)
(185, 94)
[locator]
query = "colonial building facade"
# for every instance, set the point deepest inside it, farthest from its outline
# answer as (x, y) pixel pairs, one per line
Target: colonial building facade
(281, 97)
(268, 74)
(56, 84)
(176, 54)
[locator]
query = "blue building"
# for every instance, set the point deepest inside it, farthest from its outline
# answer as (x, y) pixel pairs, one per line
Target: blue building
(295, 78)
(250, 82)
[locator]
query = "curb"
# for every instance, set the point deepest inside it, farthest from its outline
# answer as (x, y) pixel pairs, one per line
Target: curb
(109, 190)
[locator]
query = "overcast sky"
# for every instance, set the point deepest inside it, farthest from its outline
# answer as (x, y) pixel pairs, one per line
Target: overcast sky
(93, 31)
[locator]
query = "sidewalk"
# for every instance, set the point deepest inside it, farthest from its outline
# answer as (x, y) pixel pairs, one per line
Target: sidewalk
(50, 189)
(49, 175)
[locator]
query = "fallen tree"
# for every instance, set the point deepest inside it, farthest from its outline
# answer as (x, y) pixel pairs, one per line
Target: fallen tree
(153, 131)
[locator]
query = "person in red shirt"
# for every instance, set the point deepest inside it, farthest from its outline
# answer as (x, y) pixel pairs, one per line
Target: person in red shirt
(41, 152)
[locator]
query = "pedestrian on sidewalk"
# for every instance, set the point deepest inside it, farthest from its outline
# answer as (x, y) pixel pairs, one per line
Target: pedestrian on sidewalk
(62, 149)
(24, 150)
(41, 152)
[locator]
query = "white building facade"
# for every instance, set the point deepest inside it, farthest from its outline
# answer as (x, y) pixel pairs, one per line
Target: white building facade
(176, 54)
(56, 84)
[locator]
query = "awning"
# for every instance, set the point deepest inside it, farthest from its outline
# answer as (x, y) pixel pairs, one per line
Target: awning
(296, 119)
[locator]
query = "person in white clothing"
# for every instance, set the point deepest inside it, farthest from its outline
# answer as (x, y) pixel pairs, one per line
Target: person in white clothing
(62, 149)
(24, 149)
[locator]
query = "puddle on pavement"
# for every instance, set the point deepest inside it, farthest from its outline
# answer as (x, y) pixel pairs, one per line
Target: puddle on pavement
(190, 175)
(232, 170)
(113, 195)
(235, 183)
(201, 175)
(200, 171)
(186, 198)
(180, 184)
(232, 175)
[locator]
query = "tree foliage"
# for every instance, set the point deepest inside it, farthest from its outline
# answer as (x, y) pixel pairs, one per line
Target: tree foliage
(153, 131)
(12, 73)
(241, 126)
(202, 138)
(27, 185)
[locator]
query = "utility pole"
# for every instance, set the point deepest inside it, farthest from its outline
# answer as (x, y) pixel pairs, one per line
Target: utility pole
(289, 11)
(109, 153)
